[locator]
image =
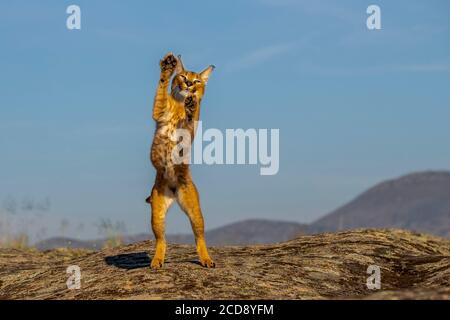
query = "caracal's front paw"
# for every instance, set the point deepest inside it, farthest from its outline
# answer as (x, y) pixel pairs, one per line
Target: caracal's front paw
(168, 65)
(207, 262)
(157, 263)
(190, 102)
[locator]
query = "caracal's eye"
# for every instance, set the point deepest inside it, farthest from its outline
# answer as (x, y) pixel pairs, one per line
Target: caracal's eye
(183, 77)
(196, 81)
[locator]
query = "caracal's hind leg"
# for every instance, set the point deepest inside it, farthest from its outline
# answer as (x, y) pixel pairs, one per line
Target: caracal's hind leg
(188, 199)
(160, 200)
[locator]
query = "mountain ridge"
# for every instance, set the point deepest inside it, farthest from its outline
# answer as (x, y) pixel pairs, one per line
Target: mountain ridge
(418, 201)
(251, 231)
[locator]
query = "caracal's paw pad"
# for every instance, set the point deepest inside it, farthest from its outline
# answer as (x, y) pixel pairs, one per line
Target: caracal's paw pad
(207, 263)
(168, 63)
(190, 102)
(157, 263)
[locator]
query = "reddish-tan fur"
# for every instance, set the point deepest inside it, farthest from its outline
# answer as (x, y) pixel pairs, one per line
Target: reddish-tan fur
(174, 181)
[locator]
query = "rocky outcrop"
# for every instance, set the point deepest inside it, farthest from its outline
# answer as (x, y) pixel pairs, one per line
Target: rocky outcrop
(324, 266)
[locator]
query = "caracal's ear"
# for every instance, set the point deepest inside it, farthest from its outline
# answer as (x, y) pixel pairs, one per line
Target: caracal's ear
(180, 66)
(206, 73)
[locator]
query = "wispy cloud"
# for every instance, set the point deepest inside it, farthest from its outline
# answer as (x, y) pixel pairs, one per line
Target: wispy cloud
(123, 35)
(258, 56)
(417, 35)
(374, 70)
(427, 67)
(335, 9)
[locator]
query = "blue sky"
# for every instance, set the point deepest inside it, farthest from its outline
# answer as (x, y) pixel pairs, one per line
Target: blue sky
(354, 107)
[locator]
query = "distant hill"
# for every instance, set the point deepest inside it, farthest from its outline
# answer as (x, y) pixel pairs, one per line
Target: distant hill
(248, 232)
(240, 233)
(419, 202)
(62, 242)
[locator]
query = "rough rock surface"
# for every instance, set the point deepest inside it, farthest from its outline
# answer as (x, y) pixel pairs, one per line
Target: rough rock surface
(325, 266)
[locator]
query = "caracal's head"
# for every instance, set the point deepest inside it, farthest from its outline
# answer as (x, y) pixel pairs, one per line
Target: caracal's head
(189, 83)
